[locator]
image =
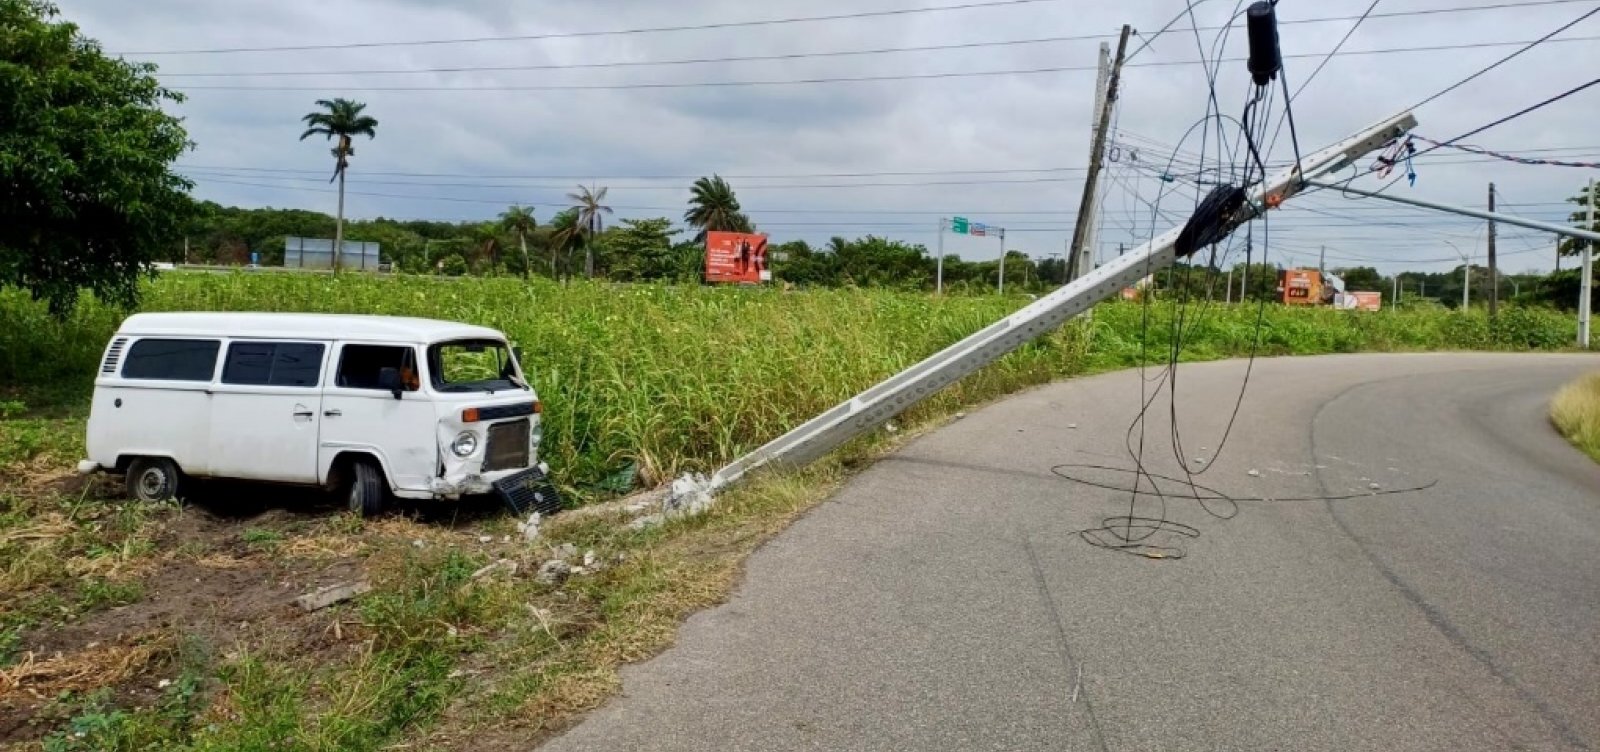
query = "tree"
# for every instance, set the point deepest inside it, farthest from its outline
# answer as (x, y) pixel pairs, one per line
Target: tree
(643, 250)
(86, 151)
(713, 207)
(1362, 278)
(1580, 219)
(566, 234)
(340, 118)
(519, 221)
(590, 210)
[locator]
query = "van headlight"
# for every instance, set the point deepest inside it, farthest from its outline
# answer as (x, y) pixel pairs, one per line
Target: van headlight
(465, 444)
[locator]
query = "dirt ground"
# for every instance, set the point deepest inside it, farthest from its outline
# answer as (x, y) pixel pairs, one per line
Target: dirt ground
(222, 573)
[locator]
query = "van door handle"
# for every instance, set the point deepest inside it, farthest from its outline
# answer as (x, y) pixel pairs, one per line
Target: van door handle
(301, 411)
(332, 413)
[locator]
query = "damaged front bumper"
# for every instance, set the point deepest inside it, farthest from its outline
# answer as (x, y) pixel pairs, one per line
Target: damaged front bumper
(453, 487)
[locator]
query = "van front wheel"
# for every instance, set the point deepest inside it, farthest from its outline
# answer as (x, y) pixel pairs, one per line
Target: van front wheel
(152, 479)
(367, 489)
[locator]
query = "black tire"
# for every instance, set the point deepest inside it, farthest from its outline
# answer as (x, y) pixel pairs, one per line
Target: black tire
(368, 491)
(153, 479)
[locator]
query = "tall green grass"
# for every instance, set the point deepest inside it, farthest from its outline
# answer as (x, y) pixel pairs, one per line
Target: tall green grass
(676, 378)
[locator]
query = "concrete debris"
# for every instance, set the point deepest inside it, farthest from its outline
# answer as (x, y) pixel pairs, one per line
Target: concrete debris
(419, 543)
(638, 507)
(690, 494)
(891, 428)
(647, 521)
(566, 551)
(507, 565)
(1073, 426)
(589, 559)
(959, 416)
(553, 572)
(1374, 486)
(1255, 473)
(530, 527)
(579, 570)
(322, 598)
(485, 539)
(1199, 460)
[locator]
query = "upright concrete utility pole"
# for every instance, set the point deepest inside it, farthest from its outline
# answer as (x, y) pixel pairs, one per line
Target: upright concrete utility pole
(1002, 261)
(1494, 269)
(1322, 260)
(1097, 153)
(1586, 278)
(1396, 302)
(938, 284)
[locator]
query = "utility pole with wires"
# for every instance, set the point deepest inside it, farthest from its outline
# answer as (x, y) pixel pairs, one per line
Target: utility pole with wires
(1078, 266)
(1494, 269)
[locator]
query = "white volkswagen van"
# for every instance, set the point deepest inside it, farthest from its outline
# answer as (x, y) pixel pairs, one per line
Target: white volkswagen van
(376, 406)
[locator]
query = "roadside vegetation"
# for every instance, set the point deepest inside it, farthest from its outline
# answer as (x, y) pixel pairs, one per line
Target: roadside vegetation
(130, 627)
(1575, 411)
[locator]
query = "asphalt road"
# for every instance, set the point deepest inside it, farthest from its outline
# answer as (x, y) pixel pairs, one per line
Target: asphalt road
(942, 601)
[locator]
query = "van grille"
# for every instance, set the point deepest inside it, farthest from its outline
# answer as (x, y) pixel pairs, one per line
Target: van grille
(507, 448)
(113, 355)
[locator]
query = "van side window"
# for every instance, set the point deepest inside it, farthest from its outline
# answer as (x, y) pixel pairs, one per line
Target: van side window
(359, 366)
(171, 359)
(273, 364)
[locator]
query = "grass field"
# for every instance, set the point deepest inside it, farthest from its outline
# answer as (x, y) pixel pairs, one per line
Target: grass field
(1575, 411)
(128, 627)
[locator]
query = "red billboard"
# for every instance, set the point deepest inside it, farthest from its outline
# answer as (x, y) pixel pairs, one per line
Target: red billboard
(736, 257)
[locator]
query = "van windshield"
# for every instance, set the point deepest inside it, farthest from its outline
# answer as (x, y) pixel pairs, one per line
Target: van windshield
(473, 366)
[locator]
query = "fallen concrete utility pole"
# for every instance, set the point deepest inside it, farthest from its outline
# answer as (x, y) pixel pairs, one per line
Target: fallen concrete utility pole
(875, 406)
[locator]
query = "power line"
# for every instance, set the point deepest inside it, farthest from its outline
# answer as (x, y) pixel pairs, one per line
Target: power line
(1502, 61)
(591, 176)
(604, 33)
(841, 79)
(787, 56)
(1515, 115)
(1331, 53)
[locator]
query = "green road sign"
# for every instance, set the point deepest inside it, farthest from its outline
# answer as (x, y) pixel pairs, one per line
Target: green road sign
(959, 225)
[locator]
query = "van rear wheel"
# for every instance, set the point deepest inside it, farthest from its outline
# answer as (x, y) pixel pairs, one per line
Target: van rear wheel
(152, 479)
(368, 491)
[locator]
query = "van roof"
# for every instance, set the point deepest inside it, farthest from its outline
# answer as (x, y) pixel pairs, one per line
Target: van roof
(315, 326)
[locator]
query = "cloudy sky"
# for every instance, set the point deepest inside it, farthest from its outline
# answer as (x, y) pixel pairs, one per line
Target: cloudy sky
(527, 118)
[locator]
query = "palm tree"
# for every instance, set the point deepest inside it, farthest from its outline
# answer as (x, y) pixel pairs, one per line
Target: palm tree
(713, 207)
(341, 118)
(519, 220)
(567, 233)
(590, 211)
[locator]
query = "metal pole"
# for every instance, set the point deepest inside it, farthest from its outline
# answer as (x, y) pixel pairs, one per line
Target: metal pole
(1002, 262)
(1097, 152)
(938, 284)
(1465, 211)
(1586, 278)
(1494, 269)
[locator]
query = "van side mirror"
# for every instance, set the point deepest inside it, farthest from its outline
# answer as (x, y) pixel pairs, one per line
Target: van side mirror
(389, 378)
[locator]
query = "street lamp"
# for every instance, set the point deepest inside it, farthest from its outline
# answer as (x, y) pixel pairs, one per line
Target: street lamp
(1466, 276)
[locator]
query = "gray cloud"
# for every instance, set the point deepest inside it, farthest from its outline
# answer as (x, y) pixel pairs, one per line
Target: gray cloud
(1022, 121)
